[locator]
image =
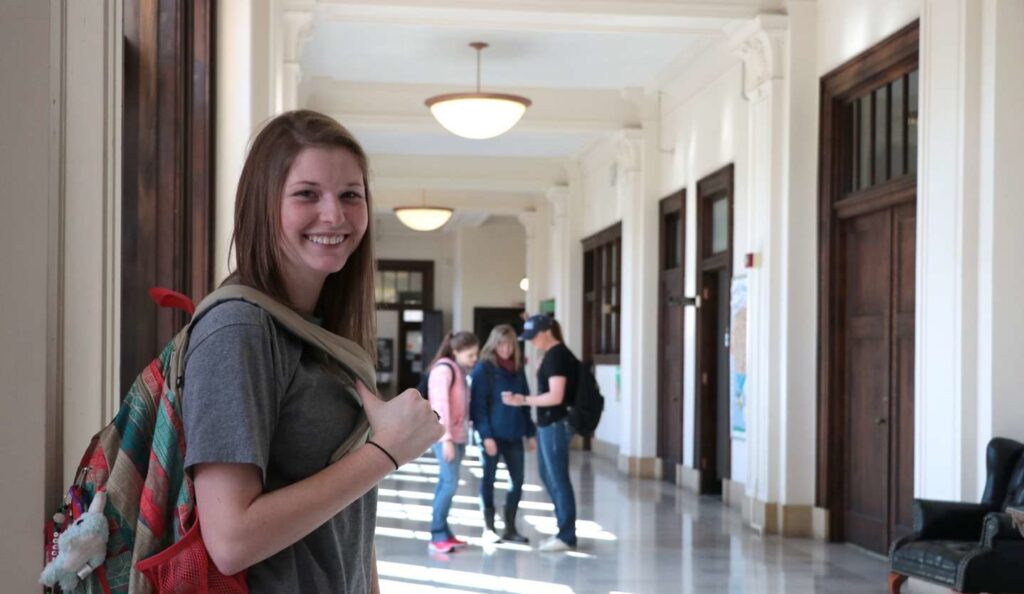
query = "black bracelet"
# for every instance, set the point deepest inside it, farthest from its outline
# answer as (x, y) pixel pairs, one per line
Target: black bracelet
(378, 446)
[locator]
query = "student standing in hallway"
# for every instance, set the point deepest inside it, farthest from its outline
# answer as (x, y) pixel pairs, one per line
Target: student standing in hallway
(262, 412)
(449, 396)
(556, 382)
(502, 428)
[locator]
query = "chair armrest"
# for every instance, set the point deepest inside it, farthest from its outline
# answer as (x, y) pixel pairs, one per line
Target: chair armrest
(999, 526)
(949, 520)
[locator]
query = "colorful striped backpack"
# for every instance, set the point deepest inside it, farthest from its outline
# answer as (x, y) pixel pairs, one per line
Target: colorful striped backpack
(154, 542)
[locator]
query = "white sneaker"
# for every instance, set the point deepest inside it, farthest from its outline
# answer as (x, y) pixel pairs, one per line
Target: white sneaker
(490, 536)
(554, 545)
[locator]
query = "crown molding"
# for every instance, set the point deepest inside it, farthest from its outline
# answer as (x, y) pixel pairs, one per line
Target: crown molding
(619, 16)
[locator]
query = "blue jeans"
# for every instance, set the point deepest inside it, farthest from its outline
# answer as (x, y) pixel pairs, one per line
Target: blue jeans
(512, 452)
(553, 449)
(447, 485)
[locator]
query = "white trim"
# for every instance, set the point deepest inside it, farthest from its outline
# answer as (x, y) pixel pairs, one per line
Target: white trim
(680, 17)
(55, 261)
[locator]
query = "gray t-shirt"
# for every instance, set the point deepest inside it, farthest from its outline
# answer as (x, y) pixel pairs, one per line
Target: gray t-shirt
(256, 394)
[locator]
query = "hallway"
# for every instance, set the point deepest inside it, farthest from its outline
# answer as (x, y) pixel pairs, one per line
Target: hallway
(636, 536)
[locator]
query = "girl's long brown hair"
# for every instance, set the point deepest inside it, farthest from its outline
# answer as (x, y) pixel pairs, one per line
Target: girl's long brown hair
(556, 330)
(346, 302)
(455, 341)
(499, 334)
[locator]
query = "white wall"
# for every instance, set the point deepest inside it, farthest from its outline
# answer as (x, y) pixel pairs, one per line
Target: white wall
(846, 28)
(27, 234)
(492, 262)
(600, 172)
(244, 101)
(59, 182)
(703, 127)
(1001, 279)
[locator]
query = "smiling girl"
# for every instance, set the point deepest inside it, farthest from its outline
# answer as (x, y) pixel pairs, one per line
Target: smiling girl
(263, 411)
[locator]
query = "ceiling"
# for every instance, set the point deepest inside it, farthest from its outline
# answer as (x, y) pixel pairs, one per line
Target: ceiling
(424, 54)
(371, 64)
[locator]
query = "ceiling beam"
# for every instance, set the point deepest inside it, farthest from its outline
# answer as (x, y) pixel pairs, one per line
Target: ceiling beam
(623, 16)
(497, 185)
(427, 123)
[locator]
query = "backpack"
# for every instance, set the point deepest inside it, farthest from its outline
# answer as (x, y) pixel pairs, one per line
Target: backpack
(154, 542)
(424, 384)
(588, 403)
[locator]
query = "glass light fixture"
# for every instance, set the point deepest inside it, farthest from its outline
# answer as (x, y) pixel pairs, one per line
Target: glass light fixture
(524, 284)
(478, 115)
(423, 217)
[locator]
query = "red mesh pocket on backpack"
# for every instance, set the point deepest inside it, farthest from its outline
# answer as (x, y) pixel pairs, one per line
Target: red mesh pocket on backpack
(186, 568)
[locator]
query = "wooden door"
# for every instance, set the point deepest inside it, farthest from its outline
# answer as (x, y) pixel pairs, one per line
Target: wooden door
(878, 371)
(901, 406)
(723, 436)
(868, 267)
(866, 304)
(167, 197)
(712, 438)
(670, 336)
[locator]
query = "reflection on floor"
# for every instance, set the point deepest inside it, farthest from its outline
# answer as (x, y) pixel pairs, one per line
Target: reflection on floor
(635, 537)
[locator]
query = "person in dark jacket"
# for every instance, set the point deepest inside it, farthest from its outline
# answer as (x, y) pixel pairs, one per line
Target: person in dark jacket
(501, 427)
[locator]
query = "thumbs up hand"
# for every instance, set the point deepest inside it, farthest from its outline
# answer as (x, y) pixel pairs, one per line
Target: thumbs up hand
(405, 426)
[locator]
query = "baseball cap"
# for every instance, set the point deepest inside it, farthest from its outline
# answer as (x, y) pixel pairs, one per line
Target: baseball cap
(536, 323)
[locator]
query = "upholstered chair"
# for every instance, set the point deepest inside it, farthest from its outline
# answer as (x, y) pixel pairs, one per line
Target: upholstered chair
(969, 547)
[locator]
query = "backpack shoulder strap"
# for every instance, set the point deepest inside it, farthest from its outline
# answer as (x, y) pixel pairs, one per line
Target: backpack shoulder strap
(354, 360)
(452, 367)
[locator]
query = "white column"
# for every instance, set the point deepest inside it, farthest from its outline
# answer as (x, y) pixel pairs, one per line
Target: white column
(536, 271)
(1001, 210)
(572, 311)
(245, 99)
(781, 320)
(639, 304)
(560, 246)
(537, 264)
(296, 32)
(945, 398)
(800, 281)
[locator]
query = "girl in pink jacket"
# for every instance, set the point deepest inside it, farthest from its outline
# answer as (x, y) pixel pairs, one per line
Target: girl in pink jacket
(449, 396)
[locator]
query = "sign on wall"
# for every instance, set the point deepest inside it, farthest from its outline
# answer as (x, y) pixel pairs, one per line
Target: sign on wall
(738, 356)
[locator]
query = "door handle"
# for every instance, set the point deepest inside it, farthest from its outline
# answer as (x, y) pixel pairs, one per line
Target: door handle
(880, 421)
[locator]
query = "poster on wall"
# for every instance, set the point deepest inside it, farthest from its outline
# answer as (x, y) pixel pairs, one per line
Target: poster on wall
(738, 357)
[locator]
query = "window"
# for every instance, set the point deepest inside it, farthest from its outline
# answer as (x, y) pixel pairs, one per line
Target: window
(602, 295)
(883, 126)
(403, 284)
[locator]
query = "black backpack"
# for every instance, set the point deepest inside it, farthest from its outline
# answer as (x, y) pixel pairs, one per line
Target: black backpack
(425, 378)
(588, 404)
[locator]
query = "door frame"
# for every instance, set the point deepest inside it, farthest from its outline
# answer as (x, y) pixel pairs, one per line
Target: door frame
(899, 53)
(167, 193)
(674, 203)
(426, 267)
(711, 185)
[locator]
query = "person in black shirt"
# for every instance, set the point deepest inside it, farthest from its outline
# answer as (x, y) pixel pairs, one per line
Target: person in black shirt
(556, 383)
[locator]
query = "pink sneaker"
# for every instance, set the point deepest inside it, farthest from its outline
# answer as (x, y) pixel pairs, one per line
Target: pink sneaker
(457, 542)
(442, 546)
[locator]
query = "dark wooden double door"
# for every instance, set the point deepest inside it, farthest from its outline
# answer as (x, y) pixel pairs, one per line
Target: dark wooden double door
(670, 334)
(877, 342)
(712, 435)
(867, 294)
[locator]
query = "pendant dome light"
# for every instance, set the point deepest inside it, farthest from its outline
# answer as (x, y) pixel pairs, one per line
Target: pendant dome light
(478, 115)
(423, 217)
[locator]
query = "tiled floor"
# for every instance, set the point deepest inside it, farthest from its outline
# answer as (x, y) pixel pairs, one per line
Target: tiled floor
(636, 536)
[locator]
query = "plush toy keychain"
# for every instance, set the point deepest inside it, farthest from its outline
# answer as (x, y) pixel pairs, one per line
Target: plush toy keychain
(80, 549)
